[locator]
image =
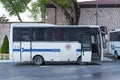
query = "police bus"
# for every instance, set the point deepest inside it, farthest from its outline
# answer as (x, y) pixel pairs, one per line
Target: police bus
(40, 42)
(114, 42)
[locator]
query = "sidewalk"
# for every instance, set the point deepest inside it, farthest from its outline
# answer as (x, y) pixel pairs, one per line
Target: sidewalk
(107, 59)
(4, 61)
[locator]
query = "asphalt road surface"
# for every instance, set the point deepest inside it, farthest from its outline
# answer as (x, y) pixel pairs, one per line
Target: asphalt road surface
(65, 71)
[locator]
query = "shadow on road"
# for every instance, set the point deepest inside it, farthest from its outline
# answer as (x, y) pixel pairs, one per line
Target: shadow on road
(55, 64)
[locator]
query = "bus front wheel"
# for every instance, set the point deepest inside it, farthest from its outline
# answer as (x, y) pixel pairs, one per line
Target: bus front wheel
(116, 54)
(38, 60)
(79, 60)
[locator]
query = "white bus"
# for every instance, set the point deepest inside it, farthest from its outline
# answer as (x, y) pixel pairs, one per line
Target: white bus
(39, 42)
(114, 42)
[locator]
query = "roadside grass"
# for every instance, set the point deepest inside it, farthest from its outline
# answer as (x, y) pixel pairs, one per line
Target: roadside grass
(4, 56)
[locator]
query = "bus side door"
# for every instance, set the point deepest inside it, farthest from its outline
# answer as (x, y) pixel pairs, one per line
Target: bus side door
(25, 44)
(16, 47)
(86, 48)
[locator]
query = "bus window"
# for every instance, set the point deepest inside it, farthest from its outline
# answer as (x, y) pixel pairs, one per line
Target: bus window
(26, 34)
(115, 36)
(48, 34)
(16, 34)
(86, 42)
(73, 34)
(38, 34)
(58, 35)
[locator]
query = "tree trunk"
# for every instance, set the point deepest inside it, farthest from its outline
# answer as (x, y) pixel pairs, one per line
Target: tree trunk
(72, 16)
(19, 18)
(74, 12)
(18, 15)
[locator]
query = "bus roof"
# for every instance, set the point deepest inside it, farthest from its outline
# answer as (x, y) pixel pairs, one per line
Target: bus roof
(49, 25)
(31, 24)
(116, 30)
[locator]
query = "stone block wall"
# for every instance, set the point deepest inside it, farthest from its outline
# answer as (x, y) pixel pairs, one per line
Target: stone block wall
(109, 17)
(55, 17)
(51, 17)
(4, 30)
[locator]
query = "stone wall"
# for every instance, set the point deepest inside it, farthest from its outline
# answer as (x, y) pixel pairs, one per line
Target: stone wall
(4, 30)
(51, 15)
(109, 17)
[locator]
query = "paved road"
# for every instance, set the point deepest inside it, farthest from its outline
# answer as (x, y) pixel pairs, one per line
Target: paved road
(27, 71)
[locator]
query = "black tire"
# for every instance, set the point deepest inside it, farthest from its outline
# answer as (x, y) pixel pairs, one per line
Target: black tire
(116, 55)
(38, 60)
(79, 60)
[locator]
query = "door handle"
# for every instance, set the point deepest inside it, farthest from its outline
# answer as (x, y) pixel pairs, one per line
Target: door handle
(83, 53)
(22, 49)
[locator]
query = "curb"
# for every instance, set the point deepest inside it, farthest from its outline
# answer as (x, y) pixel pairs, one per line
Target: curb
(106, 59)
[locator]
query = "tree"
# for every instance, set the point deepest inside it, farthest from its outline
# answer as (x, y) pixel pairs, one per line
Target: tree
(70, 8)
(3, 19)
(5, 45)
(15, 7)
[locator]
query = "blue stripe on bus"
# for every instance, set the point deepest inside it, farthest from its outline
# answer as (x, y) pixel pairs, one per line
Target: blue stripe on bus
(78, 50)
(45, 50)
(42, 50)
(37, 50)
(16, 50)
(26, 50)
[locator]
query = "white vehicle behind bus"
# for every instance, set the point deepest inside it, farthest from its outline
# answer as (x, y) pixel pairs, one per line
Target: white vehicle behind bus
(114, 42)
(39, 42)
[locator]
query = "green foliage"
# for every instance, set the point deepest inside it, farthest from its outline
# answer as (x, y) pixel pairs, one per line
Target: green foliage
(42, 3)
(39, 7)
(5, 45)
(35, 11)
(15, 7)
(70, 8)
(3, 19)
(64, 3)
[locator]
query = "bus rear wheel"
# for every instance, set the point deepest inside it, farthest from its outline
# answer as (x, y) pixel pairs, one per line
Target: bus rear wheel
(38, 60)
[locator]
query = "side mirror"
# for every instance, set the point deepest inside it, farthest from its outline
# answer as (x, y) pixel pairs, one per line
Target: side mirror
(103, 30)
